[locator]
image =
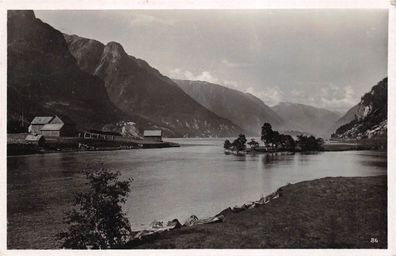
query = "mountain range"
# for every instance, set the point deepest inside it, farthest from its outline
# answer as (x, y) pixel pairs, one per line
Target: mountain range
(100, 86)
(135, 87)
(44, 78)
(95, 85)
(244, 109)
(305, 118)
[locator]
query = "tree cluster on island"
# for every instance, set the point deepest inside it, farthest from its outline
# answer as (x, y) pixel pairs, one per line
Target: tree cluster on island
(239, 144)
(275, 141)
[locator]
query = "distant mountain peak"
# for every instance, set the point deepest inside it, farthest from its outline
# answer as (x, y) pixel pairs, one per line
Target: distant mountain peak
(306, 118)
(244, 110)
(115, 47)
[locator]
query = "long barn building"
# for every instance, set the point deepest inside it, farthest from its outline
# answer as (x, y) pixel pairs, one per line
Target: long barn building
(51, 126)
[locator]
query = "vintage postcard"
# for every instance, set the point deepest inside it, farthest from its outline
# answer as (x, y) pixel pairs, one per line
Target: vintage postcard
(197, 127)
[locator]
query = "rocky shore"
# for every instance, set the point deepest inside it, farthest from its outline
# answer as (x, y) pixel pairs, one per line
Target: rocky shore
(339, 212)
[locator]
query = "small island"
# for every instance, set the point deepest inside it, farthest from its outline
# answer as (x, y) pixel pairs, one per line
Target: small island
(273, 141)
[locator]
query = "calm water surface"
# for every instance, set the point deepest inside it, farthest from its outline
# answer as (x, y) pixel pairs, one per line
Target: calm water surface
(197, 178)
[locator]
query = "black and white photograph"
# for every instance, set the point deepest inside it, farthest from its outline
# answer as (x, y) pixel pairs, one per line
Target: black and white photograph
(196, 128)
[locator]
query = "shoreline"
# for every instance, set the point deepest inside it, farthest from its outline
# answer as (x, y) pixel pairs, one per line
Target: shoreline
(44, 152)
(351, 147)
(157, 227)
(321, 218)
(16, 145)
(22, 149)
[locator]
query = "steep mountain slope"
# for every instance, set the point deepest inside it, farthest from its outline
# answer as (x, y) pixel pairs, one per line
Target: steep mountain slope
(370, 115)
(44, 79)
(306, 118)
(243, 109)
(135, 87)
(346, 118)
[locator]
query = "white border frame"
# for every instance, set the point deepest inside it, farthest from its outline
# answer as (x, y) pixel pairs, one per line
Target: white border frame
(205, 4)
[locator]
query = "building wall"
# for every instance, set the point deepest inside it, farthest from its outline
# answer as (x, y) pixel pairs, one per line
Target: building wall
(153, 138)
(51, 133)
(35, 128)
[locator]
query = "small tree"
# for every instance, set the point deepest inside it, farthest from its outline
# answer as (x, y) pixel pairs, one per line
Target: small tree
(287, 142)
(276, 139)
(227, 144)
(240, 142)
(253, 143)
(97, 219)
(267, 133)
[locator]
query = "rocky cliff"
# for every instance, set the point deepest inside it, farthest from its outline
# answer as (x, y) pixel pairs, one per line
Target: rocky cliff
(135, 87)
(369, 116)
(44, 78)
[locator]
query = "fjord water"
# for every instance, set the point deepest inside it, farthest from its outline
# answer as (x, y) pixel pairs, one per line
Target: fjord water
(196, 178)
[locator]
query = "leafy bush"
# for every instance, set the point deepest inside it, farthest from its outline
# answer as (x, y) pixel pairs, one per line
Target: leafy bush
(227, 144)
(240, 143)
(97, 220)
(310, 143)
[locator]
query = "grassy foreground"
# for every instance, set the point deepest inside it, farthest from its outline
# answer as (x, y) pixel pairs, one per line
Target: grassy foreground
(325, 213)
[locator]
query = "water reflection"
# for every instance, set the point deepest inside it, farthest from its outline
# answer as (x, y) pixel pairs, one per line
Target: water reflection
(171, 183)
(271, 159)
(241, 158)
(374, 163)
(306, 157)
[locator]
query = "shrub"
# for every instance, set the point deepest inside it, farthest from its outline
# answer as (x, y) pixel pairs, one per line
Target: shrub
(97, 220)
(310, 143)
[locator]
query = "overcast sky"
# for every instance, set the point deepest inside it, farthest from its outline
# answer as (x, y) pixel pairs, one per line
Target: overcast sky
(324, 58)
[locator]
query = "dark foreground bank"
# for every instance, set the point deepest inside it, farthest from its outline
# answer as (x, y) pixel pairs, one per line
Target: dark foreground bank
(325, 213)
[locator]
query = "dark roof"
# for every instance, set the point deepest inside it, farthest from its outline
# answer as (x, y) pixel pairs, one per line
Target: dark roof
(42, 119)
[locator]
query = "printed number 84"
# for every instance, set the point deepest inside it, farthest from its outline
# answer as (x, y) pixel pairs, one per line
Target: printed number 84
(374, 240)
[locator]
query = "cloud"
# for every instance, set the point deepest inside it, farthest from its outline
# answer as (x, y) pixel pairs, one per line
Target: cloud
(230, 64)
(144, 19)
(231, 84)
(338, 98)
(185, 74)
(203, 76)
(326, 95)
(323, 95)
(270, 95)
